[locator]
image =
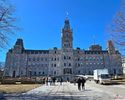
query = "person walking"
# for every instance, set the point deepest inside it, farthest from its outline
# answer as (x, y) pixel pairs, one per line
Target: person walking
(61, 80)
(79, 83)
(50, 81)
(83, 83)
(54, 80)
(46, 80)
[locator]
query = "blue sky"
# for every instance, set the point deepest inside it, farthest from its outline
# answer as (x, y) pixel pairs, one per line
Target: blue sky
(42, 20)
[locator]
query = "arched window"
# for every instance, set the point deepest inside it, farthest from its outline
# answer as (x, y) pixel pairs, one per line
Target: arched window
(54, 72)
(14, 74)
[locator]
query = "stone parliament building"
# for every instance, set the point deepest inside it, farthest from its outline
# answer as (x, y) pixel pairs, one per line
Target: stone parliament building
(65, 62)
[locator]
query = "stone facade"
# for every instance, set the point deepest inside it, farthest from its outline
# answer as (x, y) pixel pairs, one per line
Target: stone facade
(65, 62)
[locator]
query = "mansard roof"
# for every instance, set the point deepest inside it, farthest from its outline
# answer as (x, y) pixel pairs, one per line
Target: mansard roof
(36, 51)
(96, 52)
(47, 51)
(99, 52)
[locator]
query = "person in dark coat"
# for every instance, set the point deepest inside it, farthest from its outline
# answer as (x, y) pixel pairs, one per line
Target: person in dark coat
(54, 80)
(46, 80)
(83, 83)
(61, 80)
(79, 83)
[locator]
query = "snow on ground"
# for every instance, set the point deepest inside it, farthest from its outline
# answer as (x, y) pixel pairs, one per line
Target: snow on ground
(69, 91)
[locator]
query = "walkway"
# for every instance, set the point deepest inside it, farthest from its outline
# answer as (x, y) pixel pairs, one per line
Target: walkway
(66, 91)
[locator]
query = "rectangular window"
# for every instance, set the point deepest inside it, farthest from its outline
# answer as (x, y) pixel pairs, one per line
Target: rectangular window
(39, 73)
(64, 64)
(41, 59)
(64, 57)
(54, 65)
(69, 64)
(41, 65)
(52, 59)
(33, 59)
(37, 59)
(35, 73)
(45, 59)
(54, 72)
(21, 72)
(78, 59)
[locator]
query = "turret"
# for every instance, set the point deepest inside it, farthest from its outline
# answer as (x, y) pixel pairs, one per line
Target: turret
(95, 48)
(67, 38)
(110, 47)
(18, 47)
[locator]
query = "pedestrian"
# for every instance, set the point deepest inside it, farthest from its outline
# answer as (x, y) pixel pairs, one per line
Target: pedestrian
(67, 79)
(50, 80)
(54, 80)
(46, 80)
(83, 83)
(61, 80)
(79, 83)
(43, 80)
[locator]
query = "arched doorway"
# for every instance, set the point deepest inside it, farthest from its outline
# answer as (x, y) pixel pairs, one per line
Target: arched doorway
(114, 71)
(14, 73)
(30, 73)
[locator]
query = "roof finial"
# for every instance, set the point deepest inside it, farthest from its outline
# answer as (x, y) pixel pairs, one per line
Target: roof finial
(67, 14)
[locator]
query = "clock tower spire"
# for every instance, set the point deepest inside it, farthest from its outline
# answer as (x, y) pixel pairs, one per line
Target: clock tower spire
(67, 38)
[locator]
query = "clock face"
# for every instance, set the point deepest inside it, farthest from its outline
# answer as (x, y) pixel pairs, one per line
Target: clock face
(67, 40)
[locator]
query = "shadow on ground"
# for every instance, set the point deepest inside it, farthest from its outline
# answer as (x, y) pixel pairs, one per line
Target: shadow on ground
(42, 97)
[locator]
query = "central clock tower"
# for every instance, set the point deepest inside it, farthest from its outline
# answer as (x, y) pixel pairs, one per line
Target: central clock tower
(67, 38)
(67, 51)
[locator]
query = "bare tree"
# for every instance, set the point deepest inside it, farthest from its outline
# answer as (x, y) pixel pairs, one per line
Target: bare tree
(7, 22)
(2, 64)
(117, 27)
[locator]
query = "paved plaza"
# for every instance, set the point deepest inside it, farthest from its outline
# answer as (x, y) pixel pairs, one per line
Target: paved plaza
(68, 91)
